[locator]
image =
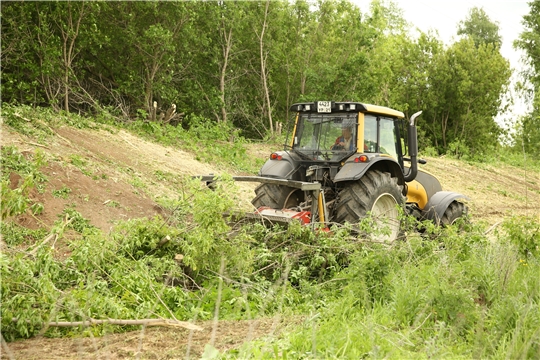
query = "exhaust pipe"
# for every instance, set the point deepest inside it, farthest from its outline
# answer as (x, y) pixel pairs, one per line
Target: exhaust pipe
(412, 141)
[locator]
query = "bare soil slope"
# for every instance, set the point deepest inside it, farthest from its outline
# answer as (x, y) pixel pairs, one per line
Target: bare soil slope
(495, 191)
(113, 175)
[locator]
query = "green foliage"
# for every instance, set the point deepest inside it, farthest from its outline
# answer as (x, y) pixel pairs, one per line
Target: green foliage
(207, 59)
(447, 291)
(116, 276)
(458, 295)
(299, 253)
(15, 196)
(62, 193)
(451, 292)
(458, 149)
(15, 235)
(480, 28)
(527, 137)
(524, 233)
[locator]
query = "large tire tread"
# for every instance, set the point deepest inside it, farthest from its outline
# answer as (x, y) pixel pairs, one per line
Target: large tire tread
(356, 199)
(274, 196)
(454, 211)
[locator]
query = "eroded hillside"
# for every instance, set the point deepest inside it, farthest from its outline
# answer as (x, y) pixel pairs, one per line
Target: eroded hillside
(115, 175)
(109, 175)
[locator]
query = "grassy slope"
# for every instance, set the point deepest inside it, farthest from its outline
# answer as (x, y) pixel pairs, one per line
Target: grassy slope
(120, 166)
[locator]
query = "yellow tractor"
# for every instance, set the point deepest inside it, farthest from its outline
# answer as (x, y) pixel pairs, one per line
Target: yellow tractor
(344, 161)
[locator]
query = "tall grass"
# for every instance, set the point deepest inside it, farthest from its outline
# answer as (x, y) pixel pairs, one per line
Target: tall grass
(448, 293)
(459, 295)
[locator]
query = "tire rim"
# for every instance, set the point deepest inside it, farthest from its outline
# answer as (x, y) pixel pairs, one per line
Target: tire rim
(386, 216)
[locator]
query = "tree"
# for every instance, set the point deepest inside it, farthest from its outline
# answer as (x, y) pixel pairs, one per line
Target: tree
(529, 40)
(473, 81)
(480, 28)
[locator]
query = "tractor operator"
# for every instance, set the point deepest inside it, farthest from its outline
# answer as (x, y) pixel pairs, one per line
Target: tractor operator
(344, 142)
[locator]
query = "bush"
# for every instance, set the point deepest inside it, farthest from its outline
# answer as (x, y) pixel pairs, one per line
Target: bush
(524, 233)
(16, 201)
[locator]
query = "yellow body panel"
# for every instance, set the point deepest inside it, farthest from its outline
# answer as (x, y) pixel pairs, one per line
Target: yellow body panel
(383, 110)
(360, 133)
(416, 193)
(321, 208)
(294, 130)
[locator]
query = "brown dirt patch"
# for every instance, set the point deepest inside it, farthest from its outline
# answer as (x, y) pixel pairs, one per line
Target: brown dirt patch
(496, 192)
(150, 343)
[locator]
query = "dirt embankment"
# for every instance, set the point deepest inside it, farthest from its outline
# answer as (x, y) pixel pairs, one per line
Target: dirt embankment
(109, 175)
(114, 175)
(496, 192)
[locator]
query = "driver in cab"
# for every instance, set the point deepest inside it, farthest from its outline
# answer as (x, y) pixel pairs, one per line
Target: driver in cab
(344, 142)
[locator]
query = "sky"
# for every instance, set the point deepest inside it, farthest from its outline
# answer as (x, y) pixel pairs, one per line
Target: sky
(444, 16)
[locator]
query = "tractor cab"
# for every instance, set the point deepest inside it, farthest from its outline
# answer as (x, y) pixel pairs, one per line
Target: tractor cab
(327, 131)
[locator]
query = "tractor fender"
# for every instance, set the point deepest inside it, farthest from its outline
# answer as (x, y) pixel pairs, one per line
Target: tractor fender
(351, 170)
(438, 203)
(283, 168)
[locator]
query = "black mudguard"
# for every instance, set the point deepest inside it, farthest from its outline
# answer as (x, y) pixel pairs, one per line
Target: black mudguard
(430, 183)
(352, 170)
(438, 203)
(279, 169)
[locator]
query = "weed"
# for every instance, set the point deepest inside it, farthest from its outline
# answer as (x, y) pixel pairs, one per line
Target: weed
(524, 233)
(15, 196)
(137, 182)
(15, 235)
(81, 164)
(62, 193)
(113, 204)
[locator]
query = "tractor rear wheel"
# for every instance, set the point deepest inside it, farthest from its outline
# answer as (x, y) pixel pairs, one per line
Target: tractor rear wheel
(276, 196)
(377, 193)
(454, 211)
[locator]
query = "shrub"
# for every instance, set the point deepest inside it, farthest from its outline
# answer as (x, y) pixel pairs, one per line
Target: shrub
(524, 233)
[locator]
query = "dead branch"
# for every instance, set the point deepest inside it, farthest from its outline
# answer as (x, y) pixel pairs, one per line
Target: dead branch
(492, 227)
(36, 144)
(53, 235)
(22, 117)
(145, 322)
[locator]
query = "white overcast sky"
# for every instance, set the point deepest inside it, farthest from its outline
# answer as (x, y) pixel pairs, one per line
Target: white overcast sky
(444, 16)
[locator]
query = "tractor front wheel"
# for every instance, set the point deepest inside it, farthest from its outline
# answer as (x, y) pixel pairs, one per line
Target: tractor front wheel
(377, 193)
(454, 211)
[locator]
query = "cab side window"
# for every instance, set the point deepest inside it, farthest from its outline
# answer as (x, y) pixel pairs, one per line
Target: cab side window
(387, 137)
(370, 133)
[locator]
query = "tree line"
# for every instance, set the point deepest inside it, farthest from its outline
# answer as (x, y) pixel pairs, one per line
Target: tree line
(245, 63)
(528, 130)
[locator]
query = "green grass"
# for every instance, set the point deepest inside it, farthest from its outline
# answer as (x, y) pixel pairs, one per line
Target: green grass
(446, 293)
(460, 296)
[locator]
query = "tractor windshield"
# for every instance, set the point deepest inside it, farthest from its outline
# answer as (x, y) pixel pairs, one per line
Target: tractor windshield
(325, 136)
